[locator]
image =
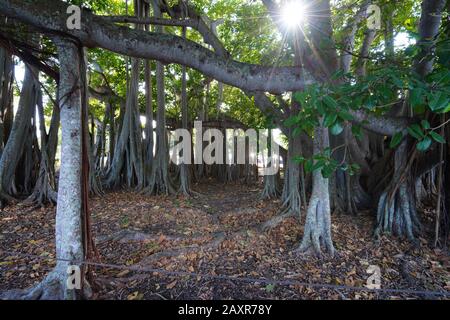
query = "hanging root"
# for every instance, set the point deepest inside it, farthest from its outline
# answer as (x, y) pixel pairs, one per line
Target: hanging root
(185, 182)
(292, 203)
(95, 185)
(317, 233)
(44, 189)
(160, 182)
(396, 214)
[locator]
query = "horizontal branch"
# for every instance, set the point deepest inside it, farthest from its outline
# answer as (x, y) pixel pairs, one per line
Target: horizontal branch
(381, 125)
(51, 17)
(150, 20)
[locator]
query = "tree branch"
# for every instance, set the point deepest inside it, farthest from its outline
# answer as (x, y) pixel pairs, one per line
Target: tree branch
(98, 32)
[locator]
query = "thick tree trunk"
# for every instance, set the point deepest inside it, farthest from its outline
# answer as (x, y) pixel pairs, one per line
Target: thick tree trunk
(317, 232)
(69, 244)
(396, 212)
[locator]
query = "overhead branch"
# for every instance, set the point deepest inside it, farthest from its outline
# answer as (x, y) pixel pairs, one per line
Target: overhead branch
(50, 17)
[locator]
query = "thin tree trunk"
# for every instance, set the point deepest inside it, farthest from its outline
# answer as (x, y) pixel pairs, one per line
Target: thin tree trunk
(16, 141)
(6, 96)
(159, 181)
(45, 188)
(184, 167)
(128, 164)
(271, 187)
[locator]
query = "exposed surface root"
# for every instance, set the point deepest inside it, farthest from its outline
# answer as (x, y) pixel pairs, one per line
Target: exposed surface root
(215, 243)
(398, 216)
(270, 190)
(317, 234)
(275, 221)
(167, 230)
(53, 287)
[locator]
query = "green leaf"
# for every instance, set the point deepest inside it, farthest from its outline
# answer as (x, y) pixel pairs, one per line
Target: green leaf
(356, 130)
(344, 115)
(320, 107)
(425, 124)
(330, 102)
(330, 119)
(327, 171)
(289, 122)
(336, 129)
(420, 109)
(371, 102)
(338, 74)
(416, 97)
(308, 165)
(297, 131)
(300, 97)
(437, 137)
(396, 139)
(446, 109)
(270, 287)
(425, 144)
(397, 81)
(438, 101)
(415, 131)
(412, 50)
(354, 168)
(299, 159)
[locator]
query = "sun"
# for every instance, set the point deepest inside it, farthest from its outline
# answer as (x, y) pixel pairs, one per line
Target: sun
(293, 14)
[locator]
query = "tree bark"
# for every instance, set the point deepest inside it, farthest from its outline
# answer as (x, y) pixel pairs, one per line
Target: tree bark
(69, 244)
(184, 167)
(317, 232)
(396, 212)
(159, 181)
(128, 164)
(45, 188)
(6, 96)
(20, 129)
(98, 32)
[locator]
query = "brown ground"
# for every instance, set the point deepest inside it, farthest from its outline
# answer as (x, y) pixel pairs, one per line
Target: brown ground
(217, 233)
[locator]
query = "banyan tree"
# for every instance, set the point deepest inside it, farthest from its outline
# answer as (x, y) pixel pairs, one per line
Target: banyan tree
(359, 123)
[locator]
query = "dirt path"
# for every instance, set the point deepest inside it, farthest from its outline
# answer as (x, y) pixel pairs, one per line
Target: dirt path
(216, 233)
